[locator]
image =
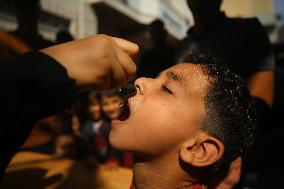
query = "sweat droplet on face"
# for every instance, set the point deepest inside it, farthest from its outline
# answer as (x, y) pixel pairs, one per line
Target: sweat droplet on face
(195, 75)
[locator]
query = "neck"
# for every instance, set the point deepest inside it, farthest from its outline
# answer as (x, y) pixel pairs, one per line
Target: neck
(163, 172)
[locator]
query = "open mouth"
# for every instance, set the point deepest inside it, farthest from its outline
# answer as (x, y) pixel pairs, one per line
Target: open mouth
(125, 110)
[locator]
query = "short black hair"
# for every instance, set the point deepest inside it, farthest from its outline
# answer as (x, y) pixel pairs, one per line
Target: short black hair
(230, 114)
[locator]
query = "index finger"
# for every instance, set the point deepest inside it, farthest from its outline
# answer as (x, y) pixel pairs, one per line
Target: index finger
(128, 47)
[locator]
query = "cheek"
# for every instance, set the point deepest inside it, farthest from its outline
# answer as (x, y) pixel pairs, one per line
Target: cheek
(93, 109)
(98, 110)
(116, 108)
(94, 112)
(152, 111)
(166, 126)
(105, 108)
(158, 128)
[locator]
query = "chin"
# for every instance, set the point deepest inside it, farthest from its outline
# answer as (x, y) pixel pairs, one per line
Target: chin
(115, 140)
(118, 143)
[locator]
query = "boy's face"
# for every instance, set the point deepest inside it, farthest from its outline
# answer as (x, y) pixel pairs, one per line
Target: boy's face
(94, 110)
(110, 105)
(165, 112)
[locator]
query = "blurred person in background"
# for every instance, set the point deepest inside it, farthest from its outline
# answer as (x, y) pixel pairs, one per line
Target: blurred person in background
(95, 129)
(111, 101)
(63, 36)
(55, 136)
(160, 56)
(43, 134)
(241, 43)
(278, 47)
(64, 146)
(278, 8)
(76, 125)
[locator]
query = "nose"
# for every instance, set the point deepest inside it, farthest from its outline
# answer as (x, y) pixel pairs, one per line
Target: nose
(141, 85)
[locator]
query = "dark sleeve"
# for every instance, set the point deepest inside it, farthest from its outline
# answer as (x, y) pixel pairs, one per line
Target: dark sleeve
(33, 86)
(256, 54)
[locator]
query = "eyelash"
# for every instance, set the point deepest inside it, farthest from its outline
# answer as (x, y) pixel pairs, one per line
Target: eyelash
(164, 88)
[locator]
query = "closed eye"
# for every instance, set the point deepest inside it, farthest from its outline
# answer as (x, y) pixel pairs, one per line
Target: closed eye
(167, 90)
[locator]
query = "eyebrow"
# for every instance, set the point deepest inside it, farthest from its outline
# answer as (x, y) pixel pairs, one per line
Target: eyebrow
(173, 76)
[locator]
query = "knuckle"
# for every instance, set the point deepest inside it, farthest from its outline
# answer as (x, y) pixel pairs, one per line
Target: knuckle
(104, 41)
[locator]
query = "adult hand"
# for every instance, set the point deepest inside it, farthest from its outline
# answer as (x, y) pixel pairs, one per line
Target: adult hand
(233, 176)
(98, 62)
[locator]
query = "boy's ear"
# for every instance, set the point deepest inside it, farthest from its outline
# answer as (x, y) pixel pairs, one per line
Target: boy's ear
(205, 151)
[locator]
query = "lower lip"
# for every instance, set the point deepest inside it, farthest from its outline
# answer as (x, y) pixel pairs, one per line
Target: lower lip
(115, 122)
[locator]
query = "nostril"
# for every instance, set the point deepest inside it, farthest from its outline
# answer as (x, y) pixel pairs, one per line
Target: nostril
(137, 89)
(133, 93)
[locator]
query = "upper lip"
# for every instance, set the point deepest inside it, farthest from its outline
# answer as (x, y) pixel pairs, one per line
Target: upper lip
(129, 97)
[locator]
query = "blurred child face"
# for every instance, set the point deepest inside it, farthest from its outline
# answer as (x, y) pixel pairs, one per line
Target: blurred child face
(110, 105)
(76, 126)
(63, 145)
(94, 110)
(165, 112)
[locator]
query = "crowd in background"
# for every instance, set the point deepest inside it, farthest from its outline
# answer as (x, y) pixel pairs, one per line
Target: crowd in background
(82, 131)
